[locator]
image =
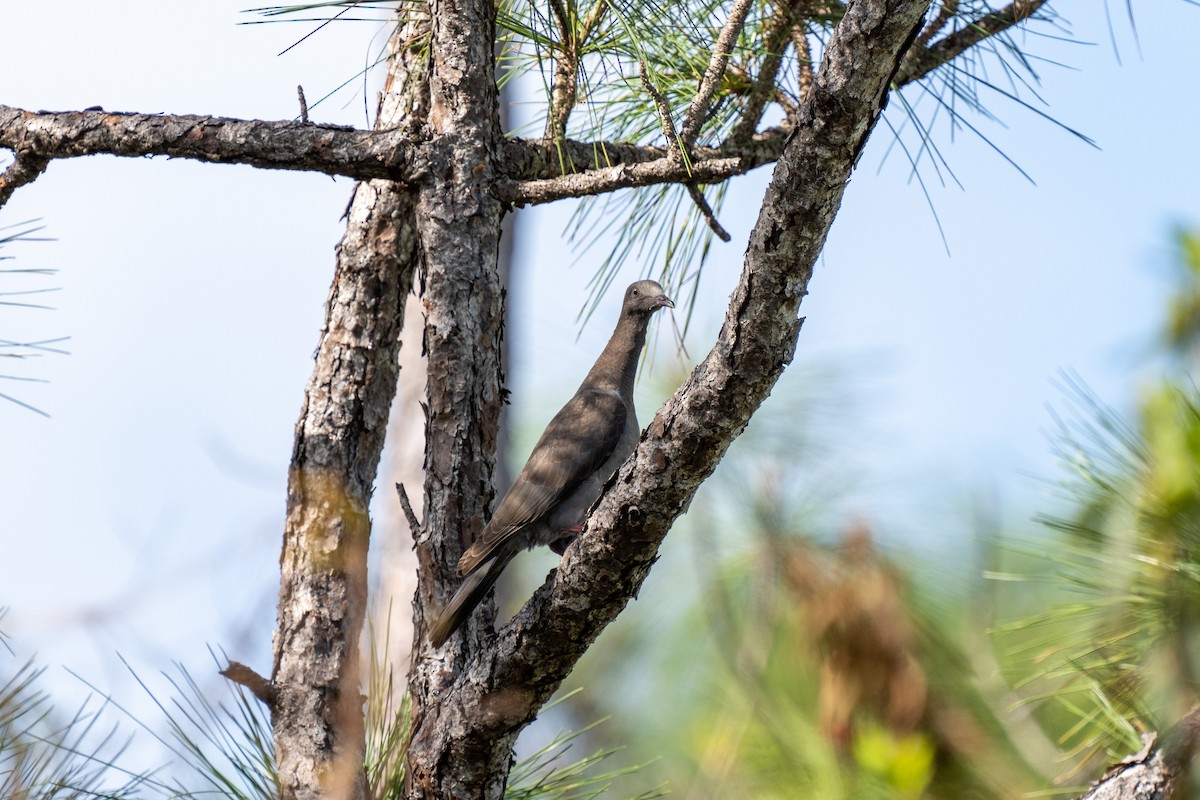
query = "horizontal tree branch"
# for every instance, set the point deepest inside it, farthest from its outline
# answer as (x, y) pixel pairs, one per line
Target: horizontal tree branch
(332, 150)
(623, 176)
(531, 171)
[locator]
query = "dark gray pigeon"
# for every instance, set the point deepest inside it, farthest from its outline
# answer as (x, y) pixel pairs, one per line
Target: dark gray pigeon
(580, 449)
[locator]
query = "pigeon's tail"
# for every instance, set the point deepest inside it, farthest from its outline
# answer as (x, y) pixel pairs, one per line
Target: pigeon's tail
(469, 595)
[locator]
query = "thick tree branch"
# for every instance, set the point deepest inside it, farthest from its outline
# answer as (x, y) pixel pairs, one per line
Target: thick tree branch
(920, 61)
(500, 690)
(698, 110)
(459, 225)
(332, 150)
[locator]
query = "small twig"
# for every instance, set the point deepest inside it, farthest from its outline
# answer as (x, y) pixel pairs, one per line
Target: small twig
(664, 114)
(259, 686)
(303, 105)
(694, 119)
(25, 168)
(677, 154)
(706, 210)
(410, 516)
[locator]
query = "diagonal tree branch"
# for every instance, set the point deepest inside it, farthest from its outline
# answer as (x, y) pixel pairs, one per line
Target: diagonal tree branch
(288, 145)
(697, 112)
(920, 61)
(500, 690)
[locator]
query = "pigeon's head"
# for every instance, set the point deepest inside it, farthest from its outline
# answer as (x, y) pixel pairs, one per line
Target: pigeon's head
(645, 297)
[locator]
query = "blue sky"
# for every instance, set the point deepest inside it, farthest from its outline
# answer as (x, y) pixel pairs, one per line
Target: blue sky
(144, 516)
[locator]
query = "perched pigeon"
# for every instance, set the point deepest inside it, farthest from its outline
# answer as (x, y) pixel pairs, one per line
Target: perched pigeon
(580, 449)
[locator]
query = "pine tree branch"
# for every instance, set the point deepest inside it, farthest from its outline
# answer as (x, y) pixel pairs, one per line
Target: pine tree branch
(920, 61)
(599, 181)
(605, 567)
(45, 136)
(697, 112)
(564, 86)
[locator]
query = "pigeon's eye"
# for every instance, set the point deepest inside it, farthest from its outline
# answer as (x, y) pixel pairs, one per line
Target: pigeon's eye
(635, 292)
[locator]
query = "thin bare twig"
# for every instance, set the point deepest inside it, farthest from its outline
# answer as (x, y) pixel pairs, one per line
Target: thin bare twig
(664, 114)
(303, 104)
(410, 516)
(707, 212)
(698, 110)
(26, 168)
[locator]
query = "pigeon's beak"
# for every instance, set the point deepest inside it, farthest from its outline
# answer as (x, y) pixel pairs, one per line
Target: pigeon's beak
(662, 301)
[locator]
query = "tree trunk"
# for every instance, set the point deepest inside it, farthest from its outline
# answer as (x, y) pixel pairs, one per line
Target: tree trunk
(317, 709)
(459, 223)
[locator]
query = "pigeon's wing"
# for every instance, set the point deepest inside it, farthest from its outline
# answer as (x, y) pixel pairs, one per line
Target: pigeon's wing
(575, 444)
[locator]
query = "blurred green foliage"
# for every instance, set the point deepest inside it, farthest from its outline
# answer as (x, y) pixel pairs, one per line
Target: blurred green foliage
(1113, 655)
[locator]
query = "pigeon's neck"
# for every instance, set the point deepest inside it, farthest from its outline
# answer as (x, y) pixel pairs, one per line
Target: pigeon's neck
(616, 367)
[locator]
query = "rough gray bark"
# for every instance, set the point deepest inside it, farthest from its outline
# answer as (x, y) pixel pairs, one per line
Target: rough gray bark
(317, 716)
(459, 225)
